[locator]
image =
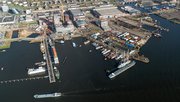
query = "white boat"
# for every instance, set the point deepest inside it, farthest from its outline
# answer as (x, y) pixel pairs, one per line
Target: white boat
(41, 63)
(3, 50)
(118, 57)
(61, 41)
(48, 95)
(106, 52)
(121, 70)
(125, 61)
(99, 47)
(2, 68)
(44, 56)
(86, 42)
(74, 44)
(39, 70)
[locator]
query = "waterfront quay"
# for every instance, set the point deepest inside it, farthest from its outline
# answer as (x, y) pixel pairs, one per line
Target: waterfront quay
(111, 28)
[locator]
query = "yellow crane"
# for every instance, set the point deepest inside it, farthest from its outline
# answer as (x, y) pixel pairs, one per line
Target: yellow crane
(62, 12)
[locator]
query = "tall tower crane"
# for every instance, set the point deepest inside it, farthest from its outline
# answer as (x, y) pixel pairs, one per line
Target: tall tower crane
(62, 12)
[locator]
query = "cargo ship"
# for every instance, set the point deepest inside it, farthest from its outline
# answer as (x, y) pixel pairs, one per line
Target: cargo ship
(52, 44)
(38, 71)
(122, 69)
(47, 95)
(56, 60)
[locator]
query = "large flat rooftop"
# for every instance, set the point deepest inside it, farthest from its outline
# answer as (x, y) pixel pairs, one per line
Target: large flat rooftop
(108, 10)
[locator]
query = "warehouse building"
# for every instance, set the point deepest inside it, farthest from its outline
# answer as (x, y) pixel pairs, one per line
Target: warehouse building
(107, 11)
(76, 14)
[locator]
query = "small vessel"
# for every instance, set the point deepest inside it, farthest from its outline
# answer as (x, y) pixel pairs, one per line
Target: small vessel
(41, 63)
(61, 41)
(37, 71)
(42, 47)
(3, 50)
(122, 69)
(64, 59)
(118, 57)
(106, 52)
(2, 68)
(74, 44)
(99, 47)
(44, 56)
(48, 95)
(157, 35)
(57, 74)
(95, 44)
(122, 64)
(86, 42)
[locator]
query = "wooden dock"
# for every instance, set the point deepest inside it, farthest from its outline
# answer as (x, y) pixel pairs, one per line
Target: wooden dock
(23, 79)
(141, 58)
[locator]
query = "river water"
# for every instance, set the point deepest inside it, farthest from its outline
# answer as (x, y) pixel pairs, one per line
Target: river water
(83, 77)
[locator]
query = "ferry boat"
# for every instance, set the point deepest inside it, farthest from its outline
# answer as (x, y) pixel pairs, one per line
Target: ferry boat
(48, 95)
(38, 71)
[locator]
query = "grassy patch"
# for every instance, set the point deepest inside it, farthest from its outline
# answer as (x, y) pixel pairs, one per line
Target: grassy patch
(17, 7)
(5, 45)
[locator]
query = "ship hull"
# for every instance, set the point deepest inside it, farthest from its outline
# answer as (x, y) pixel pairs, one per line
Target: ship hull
(121, 70)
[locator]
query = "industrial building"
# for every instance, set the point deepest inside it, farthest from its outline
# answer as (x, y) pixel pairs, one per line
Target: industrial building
(80, 23)
(76, 14)
(78, 18)
(130, 10)
(65, 29)
(60, 28)
(107, 11)
(147, 2)
(103, 24)
(4, 8)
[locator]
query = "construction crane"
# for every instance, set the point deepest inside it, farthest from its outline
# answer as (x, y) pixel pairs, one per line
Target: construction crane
(62, 12)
